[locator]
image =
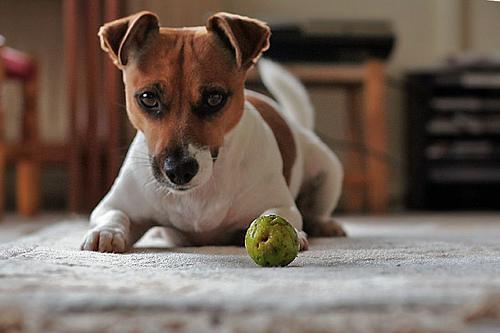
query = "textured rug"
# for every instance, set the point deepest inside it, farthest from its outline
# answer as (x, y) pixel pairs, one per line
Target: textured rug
(394, 274)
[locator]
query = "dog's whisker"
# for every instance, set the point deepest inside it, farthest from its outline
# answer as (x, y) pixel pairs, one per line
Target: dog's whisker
(140, 164)
(145, 157)
(140, 160)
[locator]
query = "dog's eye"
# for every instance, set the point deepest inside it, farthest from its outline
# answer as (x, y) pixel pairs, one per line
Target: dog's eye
(150, 103)
(212, 101)
(149, 100)
(215, 99)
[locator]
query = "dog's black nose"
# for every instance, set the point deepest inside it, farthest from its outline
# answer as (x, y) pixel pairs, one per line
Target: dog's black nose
(180, 170)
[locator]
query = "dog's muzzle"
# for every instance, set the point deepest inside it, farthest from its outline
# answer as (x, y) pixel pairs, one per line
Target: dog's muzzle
(180, 169)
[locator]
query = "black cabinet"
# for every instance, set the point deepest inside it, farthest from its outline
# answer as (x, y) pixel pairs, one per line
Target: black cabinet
(453, 139)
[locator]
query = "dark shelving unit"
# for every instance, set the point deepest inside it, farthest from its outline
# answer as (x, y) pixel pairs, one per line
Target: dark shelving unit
(453, 138)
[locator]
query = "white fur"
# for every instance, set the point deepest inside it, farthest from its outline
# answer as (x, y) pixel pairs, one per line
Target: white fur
(245, 182)
(205, 164)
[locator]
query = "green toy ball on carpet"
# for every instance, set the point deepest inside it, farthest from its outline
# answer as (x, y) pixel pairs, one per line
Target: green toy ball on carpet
(271, 241)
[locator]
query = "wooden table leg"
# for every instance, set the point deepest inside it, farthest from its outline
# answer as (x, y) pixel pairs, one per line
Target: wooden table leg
(2, 177)
(28, 166)
(95, 176)
(2, 142)
(354, 196)
(70, 23)
(112, 101)
(27, 186)
(374, 128)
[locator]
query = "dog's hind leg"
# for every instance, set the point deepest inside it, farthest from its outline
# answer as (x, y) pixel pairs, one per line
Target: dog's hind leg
(320, 191)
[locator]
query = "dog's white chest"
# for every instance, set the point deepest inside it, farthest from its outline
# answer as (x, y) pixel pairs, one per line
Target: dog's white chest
(195, 212)
(246, 180)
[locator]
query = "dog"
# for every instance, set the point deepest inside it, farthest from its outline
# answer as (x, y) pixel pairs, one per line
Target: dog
(209, 156)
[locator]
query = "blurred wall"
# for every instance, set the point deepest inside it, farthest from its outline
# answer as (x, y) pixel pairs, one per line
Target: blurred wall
(483, 22)
(426, 30)
(177, 13)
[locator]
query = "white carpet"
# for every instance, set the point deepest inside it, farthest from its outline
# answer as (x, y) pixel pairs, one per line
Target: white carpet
(398, 274)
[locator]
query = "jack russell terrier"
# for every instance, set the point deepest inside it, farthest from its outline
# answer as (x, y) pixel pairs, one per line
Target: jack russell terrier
(209, 156)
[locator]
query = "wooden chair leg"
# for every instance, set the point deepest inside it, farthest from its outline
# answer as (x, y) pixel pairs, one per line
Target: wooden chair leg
(374, 129)
(112, 91)
(27, 187)
(3, 157)
(3, 162)
(28, 166)
(93, 144)
(354, 197)
(70, 23)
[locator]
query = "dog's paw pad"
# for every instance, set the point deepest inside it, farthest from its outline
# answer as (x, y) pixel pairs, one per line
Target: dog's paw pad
(104, 240)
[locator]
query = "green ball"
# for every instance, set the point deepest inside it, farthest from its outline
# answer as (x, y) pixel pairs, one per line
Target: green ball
(271, 241)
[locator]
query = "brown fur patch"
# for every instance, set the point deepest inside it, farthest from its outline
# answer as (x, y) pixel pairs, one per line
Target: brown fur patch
(281, 130)
(180, 66)
(190, 59)
(247, 37)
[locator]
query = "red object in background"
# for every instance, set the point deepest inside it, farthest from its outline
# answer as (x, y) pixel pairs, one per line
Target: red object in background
(17, 65)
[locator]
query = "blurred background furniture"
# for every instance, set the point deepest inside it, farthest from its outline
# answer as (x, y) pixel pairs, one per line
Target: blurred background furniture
(366, 168)
(2, 144)
(20, 67)
(453, 144)
(98, 124)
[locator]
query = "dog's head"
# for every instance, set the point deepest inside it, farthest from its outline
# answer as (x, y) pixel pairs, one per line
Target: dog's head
(184, 87)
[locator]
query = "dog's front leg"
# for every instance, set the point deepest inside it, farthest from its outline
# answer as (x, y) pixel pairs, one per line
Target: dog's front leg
(121, 218)
(110, 232)
(292, 215)
(280, 202)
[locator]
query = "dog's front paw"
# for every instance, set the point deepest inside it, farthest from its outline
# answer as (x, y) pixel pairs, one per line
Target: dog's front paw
(105, 239)
(303, 242)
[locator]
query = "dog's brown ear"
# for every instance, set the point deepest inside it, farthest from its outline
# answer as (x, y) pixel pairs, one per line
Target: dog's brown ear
(120, 37)
(247, 38)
